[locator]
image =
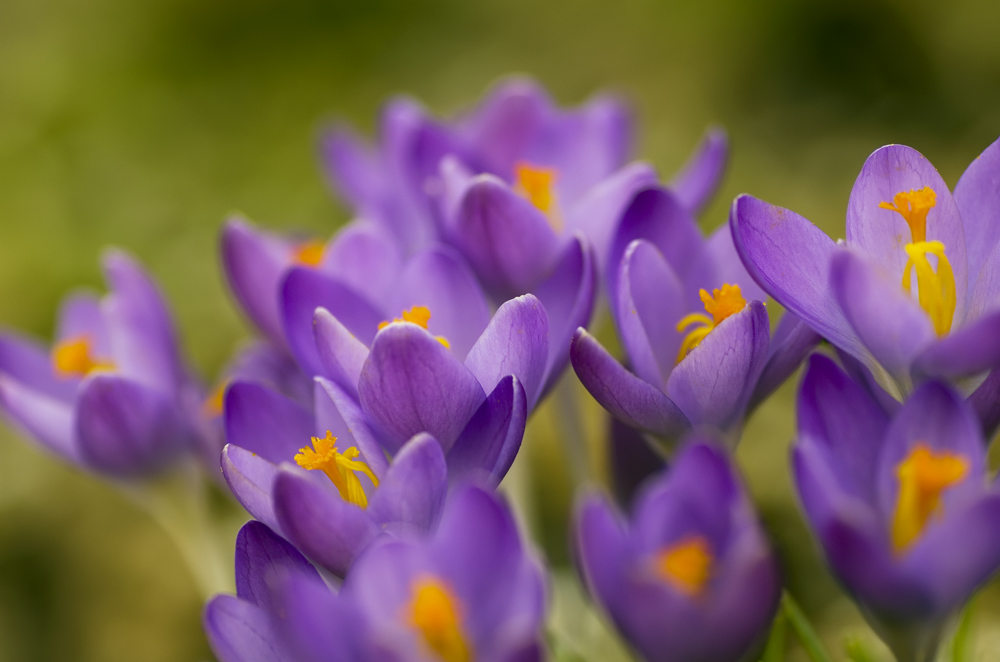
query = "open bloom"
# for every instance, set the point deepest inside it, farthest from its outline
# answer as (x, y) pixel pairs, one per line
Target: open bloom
(692, 323)
(470, 591)
(112, 394)
(903, 507)
(690, 576)
(912, 292)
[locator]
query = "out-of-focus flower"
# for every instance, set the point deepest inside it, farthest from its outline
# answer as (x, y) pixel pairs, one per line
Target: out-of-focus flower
(691, 576)
(903, 507)
(912, 292)
(113, 394)
(690, 368)
(468, 592)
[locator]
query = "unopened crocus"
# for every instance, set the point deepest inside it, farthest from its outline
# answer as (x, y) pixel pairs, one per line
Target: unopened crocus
(112, 394)
(470, 591)
(903, 507)
(693, 325)
(689, 576)
(912, 291)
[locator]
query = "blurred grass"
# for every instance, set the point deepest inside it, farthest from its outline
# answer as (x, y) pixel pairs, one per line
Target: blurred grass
(143, 124)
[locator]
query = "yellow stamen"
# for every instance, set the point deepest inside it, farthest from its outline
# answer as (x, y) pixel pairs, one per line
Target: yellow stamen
(310, 253)
(686, 565)
(435, 612)
(913, 206)
(212, 406)
(340, 467)
(73, 358)
(538, 186)
(722, 303)
(935, 290)
(419, 315)
(923, 476)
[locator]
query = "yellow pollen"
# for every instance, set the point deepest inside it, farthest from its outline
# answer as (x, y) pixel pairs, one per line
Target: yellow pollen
(419, 315)
(310, 253)
(923, 476)
(686, 565)
(212, 406)
(72, 358)
(935, 289)
(436, 614)
(341, 468)
(722, 303)
(913, 206)
(537, 185)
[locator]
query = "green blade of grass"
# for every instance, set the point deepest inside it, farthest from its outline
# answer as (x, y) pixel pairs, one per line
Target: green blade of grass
(775, 649)
(804, 631)
(962, 644)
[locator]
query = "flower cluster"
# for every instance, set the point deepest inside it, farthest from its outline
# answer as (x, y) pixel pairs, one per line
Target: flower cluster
(368, 428)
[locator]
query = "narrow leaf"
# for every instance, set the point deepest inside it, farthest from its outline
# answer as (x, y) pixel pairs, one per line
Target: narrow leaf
(804, 630)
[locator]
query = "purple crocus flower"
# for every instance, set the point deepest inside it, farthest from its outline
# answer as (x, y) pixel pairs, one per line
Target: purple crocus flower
(113, 395)
(689, 368)
(903, 506)
(911, 293)
(691, 576)
(468, 592)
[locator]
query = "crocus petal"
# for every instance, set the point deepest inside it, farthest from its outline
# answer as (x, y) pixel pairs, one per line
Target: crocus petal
(410, 496)
(42, 417)
(503, 126)
(353, 168)
(124, 427)
(265, 422)
(29, 363)
(251, 480)
(712, 385)
(411, 383)
(790, 258)
(632, 460)
(326, 628)
(80, 315)
(329, 530)
(720, 264)
(894, 328)
(487, 446)
(439, 279)
(601, 546)
(977, 196)
(881, 233)
(516, 342)
(340, 353)
(302, 292)
(240, 631)
(984, 296)
(508, 242)
(263, 557)
(254, 262)
(365, 260)
(700, 177)
(143, 341)
(626, 397)
(792, 342)
(970, 350)
(339, 413)
(264, 362)
(986, 401)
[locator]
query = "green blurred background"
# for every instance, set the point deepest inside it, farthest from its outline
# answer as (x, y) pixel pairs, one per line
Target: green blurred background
(142, 124)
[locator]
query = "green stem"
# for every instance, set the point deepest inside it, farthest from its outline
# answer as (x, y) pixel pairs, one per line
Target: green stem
(963, 644)
(804, 631)
(775, 650)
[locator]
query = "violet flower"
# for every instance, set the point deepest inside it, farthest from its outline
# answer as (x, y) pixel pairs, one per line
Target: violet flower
(690, 576)
(688, 368)
(911, 293)
(470, 591)
(113, 395)
(904, 507)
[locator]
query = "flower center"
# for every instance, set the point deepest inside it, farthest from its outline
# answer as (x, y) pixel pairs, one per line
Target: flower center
(935, 289)
(213, 404)
(419, 315)
(435, 613)
(722, 303)
(309, 253)
(73, 358)
(686, 565)
(341, 468)
(923, 476)
(537, 185)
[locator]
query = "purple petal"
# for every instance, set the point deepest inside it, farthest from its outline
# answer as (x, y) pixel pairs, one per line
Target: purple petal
(986, 401)
(507, 241)
(516, 342)
(700, 177)
(239, 631)
(411, 383)
(251, 480)
(504, 125)
(970, 350)
(601, 548)
(365, 260)
(263, 557)
(881, 233)
(329, 530)
(339, 413)
(487, 446)
(977, 196)
(27, 362)
(43, 418)
(327, 628)
(124, 427)
(712, 385)
(633, 461)
(790, 258)
(265, 422)
(720, 264)
(626, 397)
(985, 288)
(340, 353)
(271, 366)
(354, 168)
(413, 490)
(440, 280)
(80, 315)
(792, 342)
(892, 325)
(864, 377)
